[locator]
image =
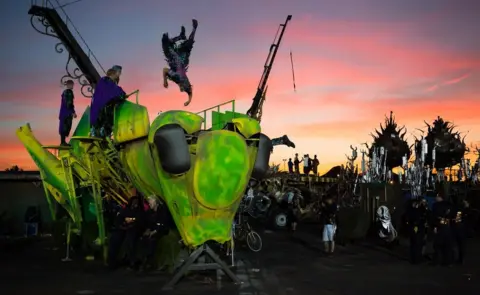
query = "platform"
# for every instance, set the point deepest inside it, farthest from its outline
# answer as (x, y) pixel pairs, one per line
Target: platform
(57, 147)
(87, 138)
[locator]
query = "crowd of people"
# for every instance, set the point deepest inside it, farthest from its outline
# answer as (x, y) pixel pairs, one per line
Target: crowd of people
(449, 225)
(136, 231)
(309, 165)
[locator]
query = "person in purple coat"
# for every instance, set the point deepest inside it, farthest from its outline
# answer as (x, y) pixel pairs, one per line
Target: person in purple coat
(107, 94)
(67, 112)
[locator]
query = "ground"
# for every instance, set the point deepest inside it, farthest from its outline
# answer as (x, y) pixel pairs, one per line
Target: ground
(287, 265)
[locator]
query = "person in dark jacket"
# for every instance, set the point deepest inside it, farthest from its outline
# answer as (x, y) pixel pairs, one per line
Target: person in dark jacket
(290, 166)
(133, 218)
(296, 164)
(416, 222)
(127, 226)
(459, 229)
(156, 227)
(442, 212)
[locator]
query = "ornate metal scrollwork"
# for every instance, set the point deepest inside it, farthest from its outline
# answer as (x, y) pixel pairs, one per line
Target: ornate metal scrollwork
(47, 29)
(72, 72)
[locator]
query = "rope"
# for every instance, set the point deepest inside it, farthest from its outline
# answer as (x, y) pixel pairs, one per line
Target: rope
(293, 72)
(67, 4)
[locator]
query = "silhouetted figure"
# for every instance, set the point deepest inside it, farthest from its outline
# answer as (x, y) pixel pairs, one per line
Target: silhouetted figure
(157, 225)
(290, 166)
(296, 164)
(315, 164)
(442, 244)
(460, 228)
(416, 221)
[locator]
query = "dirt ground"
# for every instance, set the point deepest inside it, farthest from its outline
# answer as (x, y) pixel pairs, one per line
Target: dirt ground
(288, 264)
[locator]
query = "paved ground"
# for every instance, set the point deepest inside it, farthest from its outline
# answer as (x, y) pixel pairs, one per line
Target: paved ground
(287, 265)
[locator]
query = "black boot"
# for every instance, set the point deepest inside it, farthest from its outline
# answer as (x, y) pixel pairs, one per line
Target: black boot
(182, 35)
(194, 23)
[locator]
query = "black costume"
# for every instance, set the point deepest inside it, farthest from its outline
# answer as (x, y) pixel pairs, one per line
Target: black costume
(459, 230)
(178, 57)
(158, 223)
(442, 243)
(126, 232)
(417, 225)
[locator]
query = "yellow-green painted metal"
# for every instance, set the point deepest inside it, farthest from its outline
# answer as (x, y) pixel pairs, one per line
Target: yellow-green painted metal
(52, 171)
(203, 201)
(218, 121)
(131, 122)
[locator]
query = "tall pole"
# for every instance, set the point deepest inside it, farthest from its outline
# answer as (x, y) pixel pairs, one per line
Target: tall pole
(267, 69)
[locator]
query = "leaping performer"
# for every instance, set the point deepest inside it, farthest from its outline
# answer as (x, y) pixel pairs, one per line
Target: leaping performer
(177, 54)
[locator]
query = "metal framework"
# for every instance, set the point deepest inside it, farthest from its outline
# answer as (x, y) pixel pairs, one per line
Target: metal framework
(42, 20)
(255, 110)
(191, 264)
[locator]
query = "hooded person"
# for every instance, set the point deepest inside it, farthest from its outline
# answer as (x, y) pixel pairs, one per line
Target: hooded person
(107, 94)
(67, 112)
(177, 54)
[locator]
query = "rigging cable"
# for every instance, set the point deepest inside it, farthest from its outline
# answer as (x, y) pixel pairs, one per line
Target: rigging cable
(293, 72)
(66, 4)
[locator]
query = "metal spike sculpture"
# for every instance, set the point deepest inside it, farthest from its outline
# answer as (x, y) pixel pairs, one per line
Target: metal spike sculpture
(445, 147)
(348, 180)
(392, 139)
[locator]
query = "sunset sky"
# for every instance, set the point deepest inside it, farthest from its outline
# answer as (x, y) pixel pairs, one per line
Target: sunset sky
(355, 61)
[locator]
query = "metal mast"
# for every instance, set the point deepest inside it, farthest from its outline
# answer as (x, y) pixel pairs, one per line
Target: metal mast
(255, 109)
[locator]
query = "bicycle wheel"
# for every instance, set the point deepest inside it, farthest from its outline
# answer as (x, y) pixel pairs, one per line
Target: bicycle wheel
(254, 241)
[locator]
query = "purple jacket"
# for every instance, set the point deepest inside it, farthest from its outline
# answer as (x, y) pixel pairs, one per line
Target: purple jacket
(67, 108)
(106, 91)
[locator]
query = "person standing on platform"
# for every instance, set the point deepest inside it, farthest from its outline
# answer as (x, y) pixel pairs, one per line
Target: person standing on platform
(315, 164)
(290, 166)
(296, 164)
(106, 96)
(67, 112)
(306, 164)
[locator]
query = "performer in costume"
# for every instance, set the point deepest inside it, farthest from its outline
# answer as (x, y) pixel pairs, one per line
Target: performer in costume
(177, 54)
(107, 94)
(67, 112)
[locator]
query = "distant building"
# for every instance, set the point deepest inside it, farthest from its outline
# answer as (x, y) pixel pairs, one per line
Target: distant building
(18, 191)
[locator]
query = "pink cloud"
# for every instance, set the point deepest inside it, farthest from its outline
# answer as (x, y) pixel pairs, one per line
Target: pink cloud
(457, 80)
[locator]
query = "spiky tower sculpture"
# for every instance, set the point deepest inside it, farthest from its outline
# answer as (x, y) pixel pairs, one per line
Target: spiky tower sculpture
(449, 147)
(392, 139)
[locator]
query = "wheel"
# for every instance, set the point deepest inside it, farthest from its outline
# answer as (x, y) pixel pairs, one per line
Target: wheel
(280, 219)
(254, 241)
